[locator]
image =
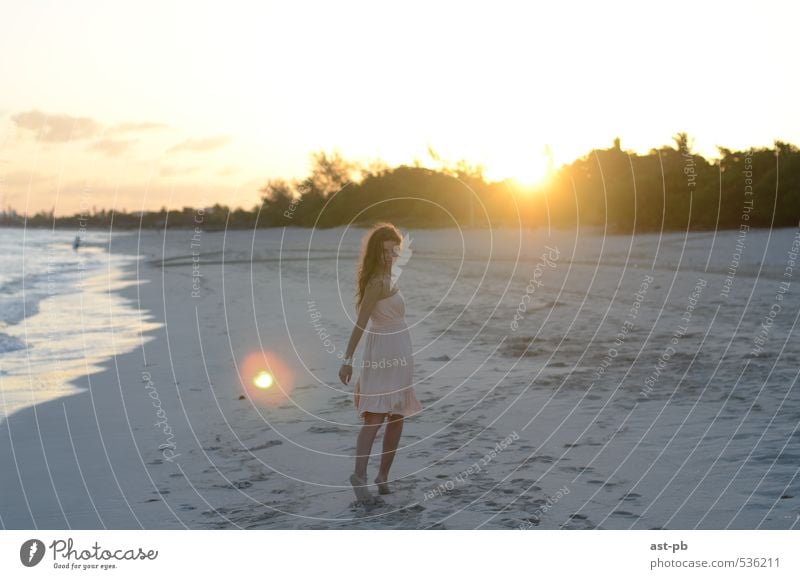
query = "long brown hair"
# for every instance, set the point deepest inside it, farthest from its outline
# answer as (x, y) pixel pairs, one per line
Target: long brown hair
(370, 261)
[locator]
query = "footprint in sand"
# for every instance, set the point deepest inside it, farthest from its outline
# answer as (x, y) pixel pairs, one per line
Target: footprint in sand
(578, 521)
(259, 520)
(259, 447)
(624, 514)
(579, 469)
(235, 485)
(517, 481)
(605, 484)
(326, 429)
(342, 402)
(374, 503)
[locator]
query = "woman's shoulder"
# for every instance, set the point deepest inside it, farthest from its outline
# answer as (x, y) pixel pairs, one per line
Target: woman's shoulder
(380, 283)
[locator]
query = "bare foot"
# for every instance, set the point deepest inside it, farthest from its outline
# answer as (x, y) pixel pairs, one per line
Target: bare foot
(383, 485)
(360, 489)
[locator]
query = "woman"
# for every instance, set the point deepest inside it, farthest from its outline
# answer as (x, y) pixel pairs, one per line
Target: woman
(384, 388)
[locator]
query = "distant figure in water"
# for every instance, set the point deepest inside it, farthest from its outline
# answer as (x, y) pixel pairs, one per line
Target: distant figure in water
(384, 389)
(77, 243)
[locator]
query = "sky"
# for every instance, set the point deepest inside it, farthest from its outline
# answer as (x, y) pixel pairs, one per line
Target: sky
(139, 105)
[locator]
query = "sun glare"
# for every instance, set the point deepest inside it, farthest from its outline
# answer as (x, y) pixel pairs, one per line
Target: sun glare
(529, 178)
(528, 171)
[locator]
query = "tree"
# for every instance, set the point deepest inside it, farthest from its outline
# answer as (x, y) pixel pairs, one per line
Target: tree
(330, 173)
(682, 143)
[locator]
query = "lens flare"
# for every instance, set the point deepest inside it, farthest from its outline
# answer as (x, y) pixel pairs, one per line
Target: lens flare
(263, 380)
(266, 378)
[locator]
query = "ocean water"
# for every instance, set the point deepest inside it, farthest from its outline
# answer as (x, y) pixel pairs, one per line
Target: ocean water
(60, 315)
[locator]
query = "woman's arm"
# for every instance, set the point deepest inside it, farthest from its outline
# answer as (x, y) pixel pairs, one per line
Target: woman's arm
(372, 293)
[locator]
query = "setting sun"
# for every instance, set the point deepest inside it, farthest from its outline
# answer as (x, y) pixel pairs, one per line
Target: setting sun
(528, 168)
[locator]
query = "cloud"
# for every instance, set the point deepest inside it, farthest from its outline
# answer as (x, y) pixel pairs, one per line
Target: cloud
(56, 128)
(64, 128)
(111, 147)
(199, 145)
(136, 127)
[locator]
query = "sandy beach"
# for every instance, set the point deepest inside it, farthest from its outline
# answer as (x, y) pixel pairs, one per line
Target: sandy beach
(568, 382)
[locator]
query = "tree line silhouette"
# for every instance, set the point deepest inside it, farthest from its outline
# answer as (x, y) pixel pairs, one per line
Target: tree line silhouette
(669, 188)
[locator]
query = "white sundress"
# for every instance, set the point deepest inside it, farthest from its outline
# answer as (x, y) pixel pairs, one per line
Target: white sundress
(387, 365)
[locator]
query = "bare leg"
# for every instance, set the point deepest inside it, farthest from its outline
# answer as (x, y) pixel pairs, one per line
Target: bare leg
(391, 440)
(366, 436)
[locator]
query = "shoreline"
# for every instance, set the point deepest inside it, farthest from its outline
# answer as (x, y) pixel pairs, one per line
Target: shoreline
(47, 348)
(72, 458)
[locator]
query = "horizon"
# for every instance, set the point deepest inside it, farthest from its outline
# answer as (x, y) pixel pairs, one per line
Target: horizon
(183, 121)
(519, 185)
